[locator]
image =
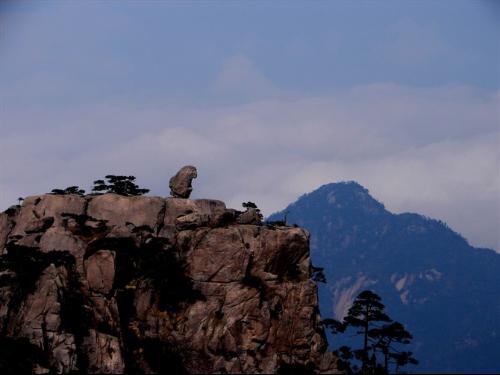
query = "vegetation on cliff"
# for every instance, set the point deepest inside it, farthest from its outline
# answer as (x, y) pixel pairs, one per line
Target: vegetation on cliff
(381, 338)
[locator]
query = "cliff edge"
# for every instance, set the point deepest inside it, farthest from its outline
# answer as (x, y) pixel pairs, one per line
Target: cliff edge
(113, 284)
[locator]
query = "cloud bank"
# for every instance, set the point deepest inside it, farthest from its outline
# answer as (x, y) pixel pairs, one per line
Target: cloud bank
(434, 151)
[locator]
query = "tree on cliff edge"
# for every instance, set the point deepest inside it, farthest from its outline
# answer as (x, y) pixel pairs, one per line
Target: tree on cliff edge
(69, 190)
(123, 185)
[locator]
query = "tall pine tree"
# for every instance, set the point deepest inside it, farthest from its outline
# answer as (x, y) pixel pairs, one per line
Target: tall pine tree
(366, 311)
(381, 337)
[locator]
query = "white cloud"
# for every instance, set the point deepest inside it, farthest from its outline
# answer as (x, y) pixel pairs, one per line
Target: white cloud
(239, 76)
(433, 151)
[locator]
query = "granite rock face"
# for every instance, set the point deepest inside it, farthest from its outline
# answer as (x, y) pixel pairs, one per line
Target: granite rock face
(108, 284)
(250, 216)
(180, 184)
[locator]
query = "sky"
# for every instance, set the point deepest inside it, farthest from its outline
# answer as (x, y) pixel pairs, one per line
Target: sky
(269, 100)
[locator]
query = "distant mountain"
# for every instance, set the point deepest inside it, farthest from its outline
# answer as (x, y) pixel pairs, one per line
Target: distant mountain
(445, 291)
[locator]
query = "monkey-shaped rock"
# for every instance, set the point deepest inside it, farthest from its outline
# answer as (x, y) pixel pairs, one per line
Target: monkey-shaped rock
(180, 184)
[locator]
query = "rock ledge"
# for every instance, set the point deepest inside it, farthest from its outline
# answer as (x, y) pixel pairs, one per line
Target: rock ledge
(108, 284)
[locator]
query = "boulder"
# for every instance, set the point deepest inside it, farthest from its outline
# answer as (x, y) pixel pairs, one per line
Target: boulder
(39, 212)
(118, 210)
(100, 271)
(250, 216)
(180, 184)
(181, 214)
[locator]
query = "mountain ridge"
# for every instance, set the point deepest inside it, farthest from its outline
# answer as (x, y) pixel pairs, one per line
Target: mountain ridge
(419, 266)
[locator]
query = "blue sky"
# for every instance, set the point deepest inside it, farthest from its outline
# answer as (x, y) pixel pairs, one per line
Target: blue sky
(268, 99)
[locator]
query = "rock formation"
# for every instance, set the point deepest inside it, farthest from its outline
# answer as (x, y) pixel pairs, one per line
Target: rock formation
(250, 216)
(180, 184)
(107, 284)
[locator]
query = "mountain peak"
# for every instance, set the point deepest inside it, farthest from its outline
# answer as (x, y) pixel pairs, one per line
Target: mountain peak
(348, 193)
(428, 275)
(334, 198)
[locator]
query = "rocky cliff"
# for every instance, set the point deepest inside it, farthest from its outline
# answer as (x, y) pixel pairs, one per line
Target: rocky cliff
(112, 284)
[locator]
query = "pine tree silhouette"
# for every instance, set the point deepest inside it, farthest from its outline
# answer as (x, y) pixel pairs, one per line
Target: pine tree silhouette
(381, 337)
(363, 314)
(69, 190)
(385, 339)
(249, 205)
(123, 185)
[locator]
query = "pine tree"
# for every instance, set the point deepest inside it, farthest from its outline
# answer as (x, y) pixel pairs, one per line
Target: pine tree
(123, 185)
(381, 337)
(366, 311)
(99, 186)
(386, 337)
(249, 205)
(69, 190)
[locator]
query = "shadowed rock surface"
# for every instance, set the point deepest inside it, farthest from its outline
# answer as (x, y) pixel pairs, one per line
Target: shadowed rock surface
(113, 284)
(180, 184)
